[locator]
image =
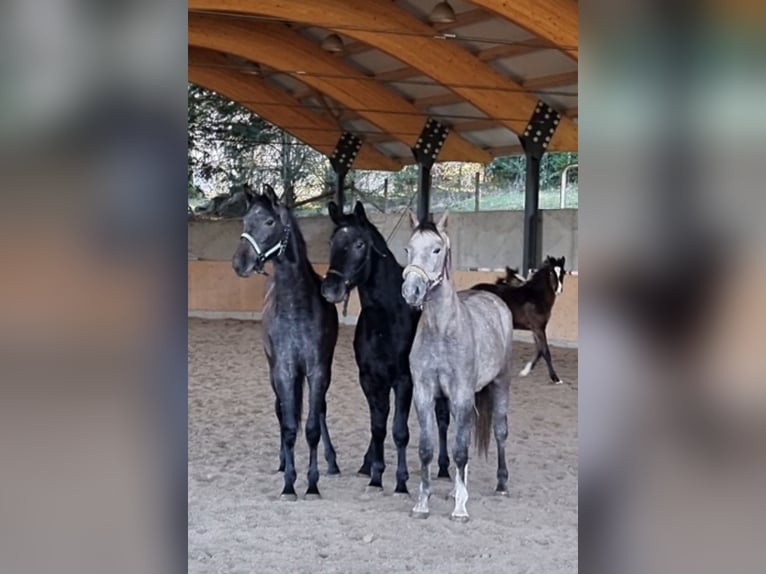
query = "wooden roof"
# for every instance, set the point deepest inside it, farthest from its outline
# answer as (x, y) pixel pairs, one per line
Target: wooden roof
(482, 75)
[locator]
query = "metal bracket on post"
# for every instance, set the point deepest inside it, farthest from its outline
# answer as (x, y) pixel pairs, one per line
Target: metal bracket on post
(342, 158)
(536, 139)
(426, 151)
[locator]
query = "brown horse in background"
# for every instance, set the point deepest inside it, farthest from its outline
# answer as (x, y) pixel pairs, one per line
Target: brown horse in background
(531, 303)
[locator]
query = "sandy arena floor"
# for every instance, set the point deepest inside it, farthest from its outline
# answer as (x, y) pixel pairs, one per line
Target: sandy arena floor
(237, 524)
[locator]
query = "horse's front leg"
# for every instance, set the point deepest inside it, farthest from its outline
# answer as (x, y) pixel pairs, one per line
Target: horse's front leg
(462, 410)
(424, 406)
(378, 398)
(278, 409)
(329, 449)
(318, 381)
(365, 469)
(284, 386)
(403, 397)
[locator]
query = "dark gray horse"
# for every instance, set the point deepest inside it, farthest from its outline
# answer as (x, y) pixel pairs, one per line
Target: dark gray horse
(462, 350)
(300, 330)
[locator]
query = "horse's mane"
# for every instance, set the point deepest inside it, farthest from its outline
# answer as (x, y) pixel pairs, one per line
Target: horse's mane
(541, 274)
(378, 241)
(299, 243)
(296, 244)
(427, 226)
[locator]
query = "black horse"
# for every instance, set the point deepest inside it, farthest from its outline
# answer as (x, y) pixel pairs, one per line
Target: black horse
(530, 303)
(359, 257)
(300, 330)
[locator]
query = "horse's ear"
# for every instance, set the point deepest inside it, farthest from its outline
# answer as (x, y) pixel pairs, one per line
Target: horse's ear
(562, 262)
(442, 225)
(509, 272)
(249, 194)
(334, 211)
(359, 211)
(414, 223)
(270, 194)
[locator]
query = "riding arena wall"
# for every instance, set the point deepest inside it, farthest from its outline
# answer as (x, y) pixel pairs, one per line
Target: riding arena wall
(483, 244)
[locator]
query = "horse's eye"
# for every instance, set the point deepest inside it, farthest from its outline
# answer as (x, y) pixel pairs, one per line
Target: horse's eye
(270, 222)
(359, 244)
(406, 249)
(437, 250)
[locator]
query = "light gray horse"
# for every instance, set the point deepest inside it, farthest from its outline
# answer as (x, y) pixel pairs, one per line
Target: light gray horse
(462, 350)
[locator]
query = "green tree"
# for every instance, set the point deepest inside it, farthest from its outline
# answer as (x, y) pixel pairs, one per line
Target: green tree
(508, 170)
(223, 137)
(511, 170)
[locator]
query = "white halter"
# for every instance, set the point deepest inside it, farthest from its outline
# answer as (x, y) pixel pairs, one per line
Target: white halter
(276, 249)
(258, 251)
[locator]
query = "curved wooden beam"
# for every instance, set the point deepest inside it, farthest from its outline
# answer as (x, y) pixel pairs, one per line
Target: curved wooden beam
(279, 47)
(411, 41)
(207, 69)
(553, 20)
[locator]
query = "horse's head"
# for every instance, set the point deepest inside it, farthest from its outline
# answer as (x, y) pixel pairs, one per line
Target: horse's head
(266, 230)
(512, 278)
(351, 245)
(428, 258)
(555, 266)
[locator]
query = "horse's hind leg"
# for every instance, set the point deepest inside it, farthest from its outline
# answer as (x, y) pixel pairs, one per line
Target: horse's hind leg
(442, 421)
(546, 352)
(463, 413)
(531, 364)
(329, 449)
(403, 397)
(500, 389)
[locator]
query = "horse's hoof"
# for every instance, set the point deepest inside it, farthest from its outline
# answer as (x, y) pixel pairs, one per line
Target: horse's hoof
(402, 494)
(401, 488)
(444, 474)
(333, 470)
(370, 489)
(288, 497)
(363, 471)
(503, 492)
(312, 496)
(419, 513)
(559, 382)
(459, 517)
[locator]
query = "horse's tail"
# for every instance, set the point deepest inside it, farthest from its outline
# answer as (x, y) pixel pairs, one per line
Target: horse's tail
(484, 408)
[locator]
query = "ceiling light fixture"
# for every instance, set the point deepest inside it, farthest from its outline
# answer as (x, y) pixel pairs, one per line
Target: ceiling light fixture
(442, 14)
(244, 65)
(332, 43)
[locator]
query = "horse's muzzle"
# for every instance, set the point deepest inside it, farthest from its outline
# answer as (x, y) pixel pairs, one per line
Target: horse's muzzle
(243, 263)
(414, 290)
(334, 288)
